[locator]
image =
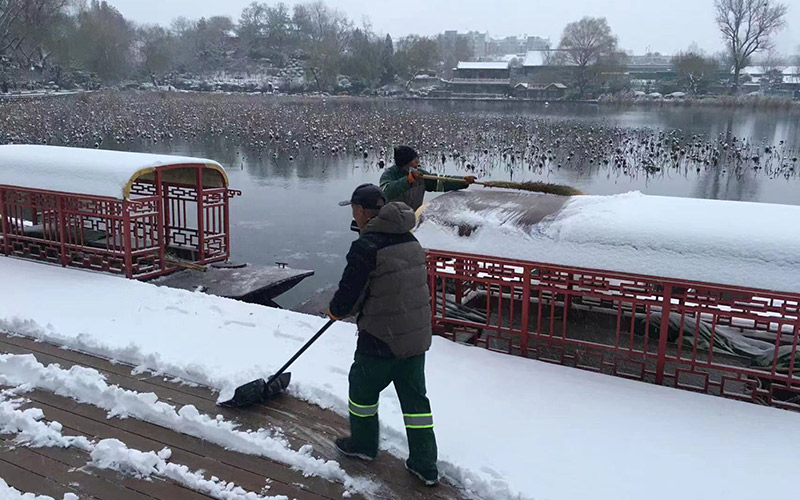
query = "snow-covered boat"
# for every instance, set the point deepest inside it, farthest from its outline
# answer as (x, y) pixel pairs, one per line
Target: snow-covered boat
(134, 214)
(692, 293)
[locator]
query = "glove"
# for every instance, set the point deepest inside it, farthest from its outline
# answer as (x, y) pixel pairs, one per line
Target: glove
(331, 316)
(414, 175)
(469, 179)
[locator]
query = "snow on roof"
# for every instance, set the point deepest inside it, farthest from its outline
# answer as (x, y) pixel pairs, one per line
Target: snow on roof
(759, 70)
(482, 65)
(94, 172)
(723, 242)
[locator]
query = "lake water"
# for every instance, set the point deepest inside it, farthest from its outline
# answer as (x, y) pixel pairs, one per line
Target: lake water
(289, 212)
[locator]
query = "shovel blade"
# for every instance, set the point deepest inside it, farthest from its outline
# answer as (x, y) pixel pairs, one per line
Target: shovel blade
(276, 385)
(258, 391)
(247, 395)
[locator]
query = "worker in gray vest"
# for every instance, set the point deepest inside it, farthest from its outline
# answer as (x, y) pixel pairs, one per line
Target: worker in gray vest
(385, 284)
(405, 181)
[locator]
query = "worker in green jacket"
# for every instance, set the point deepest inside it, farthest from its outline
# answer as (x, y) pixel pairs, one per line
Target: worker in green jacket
(404, 181)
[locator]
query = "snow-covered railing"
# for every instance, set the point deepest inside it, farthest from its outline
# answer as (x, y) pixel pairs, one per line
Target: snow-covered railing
(729, 341)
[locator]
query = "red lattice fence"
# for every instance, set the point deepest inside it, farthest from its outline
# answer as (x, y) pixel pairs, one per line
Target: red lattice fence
(723, 340)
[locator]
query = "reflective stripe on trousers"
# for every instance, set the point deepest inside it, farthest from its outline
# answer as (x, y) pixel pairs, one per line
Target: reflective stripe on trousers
(418, 420)
(363, 410)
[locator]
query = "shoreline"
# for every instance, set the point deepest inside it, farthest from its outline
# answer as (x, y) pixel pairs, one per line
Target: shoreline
(721, 102)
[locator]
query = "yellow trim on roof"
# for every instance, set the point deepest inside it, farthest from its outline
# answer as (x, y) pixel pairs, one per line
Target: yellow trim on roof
(126, 189)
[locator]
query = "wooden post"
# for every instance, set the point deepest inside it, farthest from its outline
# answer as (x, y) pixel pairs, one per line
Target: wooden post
(162, 243)
(126, 238)
(201, 230)
(526, 307)
(62, 228)
(663, 333)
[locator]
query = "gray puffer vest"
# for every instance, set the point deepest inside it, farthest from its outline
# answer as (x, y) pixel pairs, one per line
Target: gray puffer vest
(386, 283)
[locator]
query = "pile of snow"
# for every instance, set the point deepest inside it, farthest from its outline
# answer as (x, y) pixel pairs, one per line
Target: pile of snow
(88, 386)
(507, 427)
(9, 493)
(724, 242)
(115, 455)
(109, 454)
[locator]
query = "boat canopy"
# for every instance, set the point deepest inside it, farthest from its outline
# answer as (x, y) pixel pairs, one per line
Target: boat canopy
(97, 172)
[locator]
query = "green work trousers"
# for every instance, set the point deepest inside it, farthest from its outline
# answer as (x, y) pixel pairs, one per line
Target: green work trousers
(368, 377)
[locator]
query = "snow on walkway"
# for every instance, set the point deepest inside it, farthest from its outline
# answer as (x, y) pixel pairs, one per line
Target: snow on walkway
(507, 427)
(87, 385)
(112, 454)
(9, 493)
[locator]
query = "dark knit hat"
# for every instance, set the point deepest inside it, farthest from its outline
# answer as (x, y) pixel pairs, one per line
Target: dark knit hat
(403, 155)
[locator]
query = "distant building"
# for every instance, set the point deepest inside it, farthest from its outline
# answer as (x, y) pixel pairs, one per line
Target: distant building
(651, 67)
(544, 92)
(541, 67)
(789, 86)
(481, 78)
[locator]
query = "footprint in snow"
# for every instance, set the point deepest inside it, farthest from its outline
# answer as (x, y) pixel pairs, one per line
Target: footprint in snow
(240, 323)
(282, 335)
(338, 371)
(173, 308)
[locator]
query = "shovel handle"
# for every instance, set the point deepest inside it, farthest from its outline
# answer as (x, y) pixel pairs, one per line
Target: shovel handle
(455, 179)
(302, 350)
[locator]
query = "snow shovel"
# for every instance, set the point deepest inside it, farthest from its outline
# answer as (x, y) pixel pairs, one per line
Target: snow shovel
(260, 390)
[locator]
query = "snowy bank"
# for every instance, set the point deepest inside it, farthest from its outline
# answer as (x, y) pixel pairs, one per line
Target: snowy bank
(723, 242)
(507, 427)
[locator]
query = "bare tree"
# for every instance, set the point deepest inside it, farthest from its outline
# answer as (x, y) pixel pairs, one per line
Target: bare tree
(747, 27)
(772, 60)
(324, 35)
(694, 70)
(420, 54)
(584, 44)
(156, 46)
(10, 11)
(37, 30)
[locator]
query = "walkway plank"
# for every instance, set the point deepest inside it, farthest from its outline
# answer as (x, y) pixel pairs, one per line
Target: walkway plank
(79, 419)
(300, 422)
(118, 485)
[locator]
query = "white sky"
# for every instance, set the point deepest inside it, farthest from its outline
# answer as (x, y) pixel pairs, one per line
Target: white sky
(640, 24)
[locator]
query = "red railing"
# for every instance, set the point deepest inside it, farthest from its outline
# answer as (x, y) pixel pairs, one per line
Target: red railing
(728, 341)
(129, 237)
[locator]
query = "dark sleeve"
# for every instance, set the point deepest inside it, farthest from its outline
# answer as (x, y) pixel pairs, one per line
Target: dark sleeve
(433, 185)
(360, 263)
(393, 188)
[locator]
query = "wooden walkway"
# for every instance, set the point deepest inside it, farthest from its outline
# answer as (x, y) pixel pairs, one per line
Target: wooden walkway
(56, 471)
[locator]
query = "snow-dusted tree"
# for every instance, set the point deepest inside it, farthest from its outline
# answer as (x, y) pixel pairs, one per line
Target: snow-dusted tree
(747, 27)
(584, 45)
(695, 71)
(324, 34)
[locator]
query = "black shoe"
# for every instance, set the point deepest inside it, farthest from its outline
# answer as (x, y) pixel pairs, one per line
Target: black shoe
(428, 479)
(345, 447)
